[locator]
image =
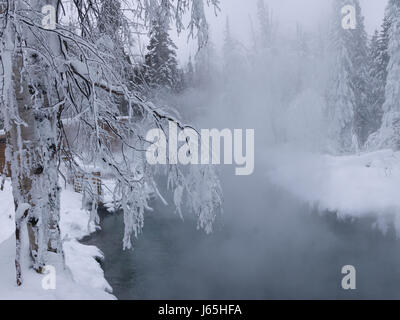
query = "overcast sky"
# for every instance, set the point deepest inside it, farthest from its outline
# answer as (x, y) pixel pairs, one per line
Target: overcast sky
(288, 12)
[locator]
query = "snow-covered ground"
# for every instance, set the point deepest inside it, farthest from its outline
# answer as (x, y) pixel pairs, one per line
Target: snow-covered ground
(360, 185)
(81, 278)
(350, 186)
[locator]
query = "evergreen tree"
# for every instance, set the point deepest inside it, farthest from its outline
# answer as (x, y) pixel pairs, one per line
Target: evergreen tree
(160, 61)
(205, 68)
(228, 40)
(189, 77)
(302, 45)
(233, 63)
(379, 59)
(265, 23)
(347, 93)
(389, 134)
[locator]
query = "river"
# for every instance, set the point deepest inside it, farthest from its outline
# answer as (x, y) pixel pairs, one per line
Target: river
(267, 245)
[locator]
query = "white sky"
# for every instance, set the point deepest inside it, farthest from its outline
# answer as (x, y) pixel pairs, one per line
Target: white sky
(288, 12)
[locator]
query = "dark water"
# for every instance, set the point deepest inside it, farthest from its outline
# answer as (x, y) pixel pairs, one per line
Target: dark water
(267, 245)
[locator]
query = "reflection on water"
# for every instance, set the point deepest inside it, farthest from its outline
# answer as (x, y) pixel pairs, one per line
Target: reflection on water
(266, 246)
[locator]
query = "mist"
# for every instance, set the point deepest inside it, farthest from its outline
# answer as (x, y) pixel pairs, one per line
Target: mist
(277, 238)
(200, 149)
(310, 14)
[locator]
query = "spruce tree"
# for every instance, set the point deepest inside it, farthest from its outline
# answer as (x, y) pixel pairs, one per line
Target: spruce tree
(347, 93)
(265, 23)
(189, 74)
(379, 59)
(160, 61)
(233, 63)
(389, 134)
(205, 67)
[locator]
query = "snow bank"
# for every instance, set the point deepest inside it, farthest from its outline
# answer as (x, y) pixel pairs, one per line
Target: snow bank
(80, 259)
(359, 185)
(82, 278)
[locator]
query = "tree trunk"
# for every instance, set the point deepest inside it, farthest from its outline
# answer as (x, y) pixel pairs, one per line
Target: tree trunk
(32, 148)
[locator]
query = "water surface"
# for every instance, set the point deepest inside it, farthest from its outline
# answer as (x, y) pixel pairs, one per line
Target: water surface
(267, 245)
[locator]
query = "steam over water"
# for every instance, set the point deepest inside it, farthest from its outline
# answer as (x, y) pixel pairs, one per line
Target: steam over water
(267, 245)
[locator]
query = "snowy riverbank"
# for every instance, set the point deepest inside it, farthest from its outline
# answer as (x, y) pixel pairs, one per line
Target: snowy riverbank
(83, 277)
(360, 185)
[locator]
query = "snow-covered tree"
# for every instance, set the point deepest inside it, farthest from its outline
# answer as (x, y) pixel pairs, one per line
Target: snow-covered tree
(302, 45)
(189, 73)
(379, 59)
(72, 73)
(160, 61)
(388, 135)
(232, 54)
(347, 92)
(229, 42)
(266, 26)
(205, 68)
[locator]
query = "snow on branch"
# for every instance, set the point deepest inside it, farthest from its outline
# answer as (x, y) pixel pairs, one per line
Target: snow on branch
(101, 113)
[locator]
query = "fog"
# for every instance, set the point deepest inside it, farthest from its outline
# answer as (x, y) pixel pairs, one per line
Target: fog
(267, 243)
(309, 13)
